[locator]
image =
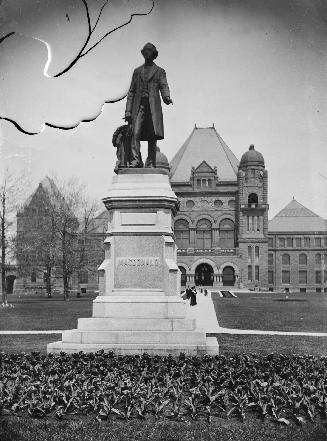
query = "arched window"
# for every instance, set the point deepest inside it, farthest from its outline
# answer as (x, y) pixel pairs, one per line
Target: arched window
(203, 234)
(252, 199)
(182, 233)
(303, 260)
(33, 277)
(318, 259)
(227, 234)
(286, 259)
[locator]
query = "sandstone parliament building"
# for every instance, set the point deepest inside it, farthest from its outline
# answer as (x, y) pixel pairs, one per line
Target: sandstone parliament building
(222, 230)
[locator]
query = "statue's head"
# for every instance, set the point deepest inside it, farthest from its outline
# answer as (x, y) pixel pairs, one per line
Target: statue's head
(149, 52)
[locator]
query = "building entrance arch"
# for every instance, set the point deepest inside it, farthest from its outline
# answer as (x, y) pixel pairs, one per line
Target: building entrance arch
(228, 276)
(204, 274)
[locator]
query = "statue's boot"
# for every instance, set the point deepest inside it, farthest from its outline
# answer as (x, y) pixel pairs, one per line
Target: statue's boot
(136, 158)
(136, 164)
(152, 150)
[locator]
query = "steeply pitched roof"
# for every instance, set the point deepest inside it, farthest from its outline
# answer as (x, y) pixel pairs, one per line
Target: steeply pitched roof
(48, 185)
(204, 144)
(295, 217)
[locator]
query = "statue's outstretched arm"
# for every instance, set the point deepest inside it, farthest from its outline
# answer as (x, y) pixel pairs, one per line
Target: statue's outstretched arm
(163, 85)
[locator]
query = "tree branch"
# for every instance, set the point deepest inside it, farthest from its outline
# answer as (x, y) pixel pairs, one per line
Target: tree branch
(90, 31)
(118, 27)
(97, 21)
(78, 56)
(6, 36)
(88, 16)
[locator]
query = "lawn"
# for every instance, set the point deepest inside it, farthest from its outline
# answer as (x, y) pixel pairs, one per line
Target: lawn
(262, 311)
(302, 312)
(34, 313)
(266, 344)
(27, 343)
(266, 311)
(228, 344)
(77, 429)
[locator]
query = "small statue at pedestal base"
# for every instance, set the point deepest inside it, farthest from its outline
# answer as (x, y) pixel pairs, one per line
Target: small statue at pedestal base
(121, 139)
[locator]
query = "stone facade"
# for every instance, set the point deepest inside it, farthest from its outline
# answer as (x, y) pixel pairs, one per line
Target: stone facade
(222, 225)
(297, 257)
(222, 229)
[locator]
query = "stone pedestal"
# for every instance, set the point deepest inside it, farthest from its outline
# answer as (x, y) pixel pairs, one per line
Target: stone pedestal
(139, 308)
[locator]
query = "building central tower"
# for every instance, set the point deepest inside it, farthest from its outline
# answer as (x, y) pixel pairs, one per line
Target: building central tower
(219, 197)
(253, 218)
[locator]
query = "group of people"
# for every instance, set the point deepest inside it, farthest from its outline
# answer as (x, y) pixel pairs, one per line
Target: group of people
(204, 312)
(191, 293)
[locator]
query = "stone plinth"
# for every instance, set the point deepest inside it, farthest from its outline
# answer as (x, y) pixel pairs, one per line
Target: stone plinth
(139, 308)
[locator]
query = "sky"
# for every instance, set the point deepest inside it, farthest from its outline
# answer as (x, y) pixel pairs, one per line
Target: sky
(254, 68)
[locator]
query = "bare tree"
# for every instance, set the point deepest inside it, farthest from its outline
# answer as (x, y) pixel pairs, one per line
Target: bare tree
(73, 215)
(88, 246)
(11, 192)
(36, 247)
(64, 203)
(52, 234)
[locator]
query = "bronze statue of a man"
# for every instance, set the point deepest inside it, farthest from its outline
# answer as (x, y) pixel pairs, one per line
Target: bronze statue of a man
(143, 106)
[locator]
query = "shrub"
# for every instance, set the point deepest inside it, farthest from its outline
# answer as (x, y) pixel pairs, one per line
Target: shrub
(282, 388)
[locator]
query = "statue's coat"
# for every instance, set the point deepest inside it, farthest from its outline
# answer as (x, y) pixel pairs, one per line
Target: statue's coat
(156, 82)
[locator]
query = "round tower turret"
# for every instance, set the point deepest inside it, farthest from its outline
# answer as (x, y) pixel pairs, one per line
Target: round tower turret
(252, 158)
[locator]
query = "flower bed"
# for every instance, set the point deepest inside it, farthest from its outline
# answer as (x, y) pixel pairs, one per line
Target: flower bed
(282, 388)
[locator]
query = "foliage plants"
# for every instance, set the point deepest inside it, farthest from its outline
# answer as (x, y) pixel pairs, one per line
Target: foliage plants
(281, 388)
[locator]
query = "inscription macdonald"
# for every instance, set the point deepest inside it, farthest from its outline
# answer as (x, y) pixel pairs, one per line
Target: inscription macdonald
(138, 261)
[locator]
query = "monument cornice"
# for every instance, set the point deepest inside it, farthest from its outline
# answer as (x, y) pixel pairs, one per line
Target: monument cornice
(140, 233)
(143, 203)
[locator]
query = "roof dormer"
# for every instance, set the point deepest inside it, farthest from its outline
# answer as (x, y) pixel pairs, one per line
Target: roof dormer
(204, 177)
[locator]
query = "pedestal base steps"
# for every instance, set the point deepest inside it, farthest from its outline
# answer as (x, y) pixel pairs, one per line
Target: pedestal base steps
(139, 308)
(137, 324)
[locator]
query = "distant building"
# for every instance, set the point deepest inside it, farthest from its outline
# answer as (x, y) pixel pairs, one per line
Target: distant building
(222, 229)
(297, 255)
(31, 219)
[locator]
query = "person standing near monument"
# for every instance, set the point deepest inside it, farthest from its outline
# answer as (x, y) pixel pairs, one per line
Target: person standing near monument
(143, 106)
